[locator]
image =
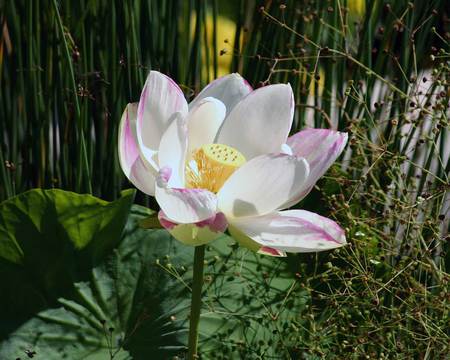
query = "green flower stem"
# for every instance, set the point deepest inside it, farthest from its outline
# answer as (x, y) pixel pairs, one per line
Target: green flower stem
(196, 301)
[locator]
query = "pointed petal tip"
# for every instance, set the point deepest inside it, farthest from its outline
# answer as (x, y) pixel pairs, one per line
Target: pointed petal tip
(209, 99)
(238, 76)
(160, 98)
(266, 250)
(230, 89)
(268, 112)
(204, 120)
(321, 148)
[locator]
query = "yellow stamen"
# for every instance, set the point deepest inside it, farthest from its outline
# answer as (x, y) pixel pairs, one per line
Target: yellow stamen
(211, 165)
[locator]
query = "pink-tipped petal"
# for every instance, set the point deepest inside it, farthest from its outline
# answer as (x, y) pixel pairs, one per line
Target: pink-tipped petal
(259, 123)
(229, 89)
(184, 206)
(261, 185)
(173, 148)
(292, 231)
(198, 233)
(321, 148)
(134, 168)
(203, 121)
(217, 223)
(265, 250)
(160, 99)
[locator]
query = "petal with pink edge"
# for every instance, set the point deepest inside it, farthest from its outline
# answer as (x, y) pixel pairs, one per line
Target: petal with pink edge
(261, 185)
(160, 99)
(183, 206)
(265, 250)
(229, 89)
(260, 123)
(203, 121)
(130, 160)
(172, 150)
(321, 148)
(195, 234)
(292, 231)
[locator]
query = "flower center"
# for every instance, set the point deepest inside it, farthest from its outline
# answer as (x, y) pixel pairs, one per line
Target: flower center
(211, 165)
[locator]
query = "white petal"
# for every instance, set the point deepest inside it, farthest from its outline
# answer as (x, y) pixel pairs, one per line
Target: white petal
(286, 149)
(160, 99)
(198, 233)
(204, 120)
(143, 177)
(293, 231)
(261, 122)
(321, 148)
(172, 150)
(261, 185)
(266, 250)
(128, 149)
(184, 206)
(130, 160)
(229, 89)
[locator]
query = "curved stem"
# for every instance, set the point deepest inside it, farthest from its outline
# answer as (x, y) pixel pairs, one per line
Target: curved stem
(196, 301)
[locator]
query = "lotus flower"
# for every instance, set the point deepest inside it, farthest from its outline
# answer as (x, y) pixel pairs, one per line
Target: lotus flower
(225, 161)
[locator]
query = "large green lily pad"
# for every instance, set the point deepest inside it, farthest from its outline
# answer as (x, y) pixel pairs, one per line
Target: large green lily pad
(133, 303)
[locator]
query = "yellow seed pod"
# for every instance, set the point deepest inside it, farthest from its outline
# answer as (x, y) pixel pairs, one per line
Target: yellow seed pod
(212, 165)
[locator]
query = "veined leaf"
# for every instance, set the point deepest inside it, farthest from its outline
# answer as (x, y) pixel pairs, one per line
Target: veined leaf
(48, 240)
(135, 304)
(61, 219)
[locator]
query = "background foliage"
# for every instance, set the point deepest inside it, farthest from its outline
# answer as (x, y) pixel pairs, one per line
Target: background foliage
(377, 69)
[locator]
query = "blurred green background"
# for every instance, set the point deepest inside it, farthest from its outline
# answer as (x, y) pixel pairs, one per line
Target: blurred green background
(66, 76)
